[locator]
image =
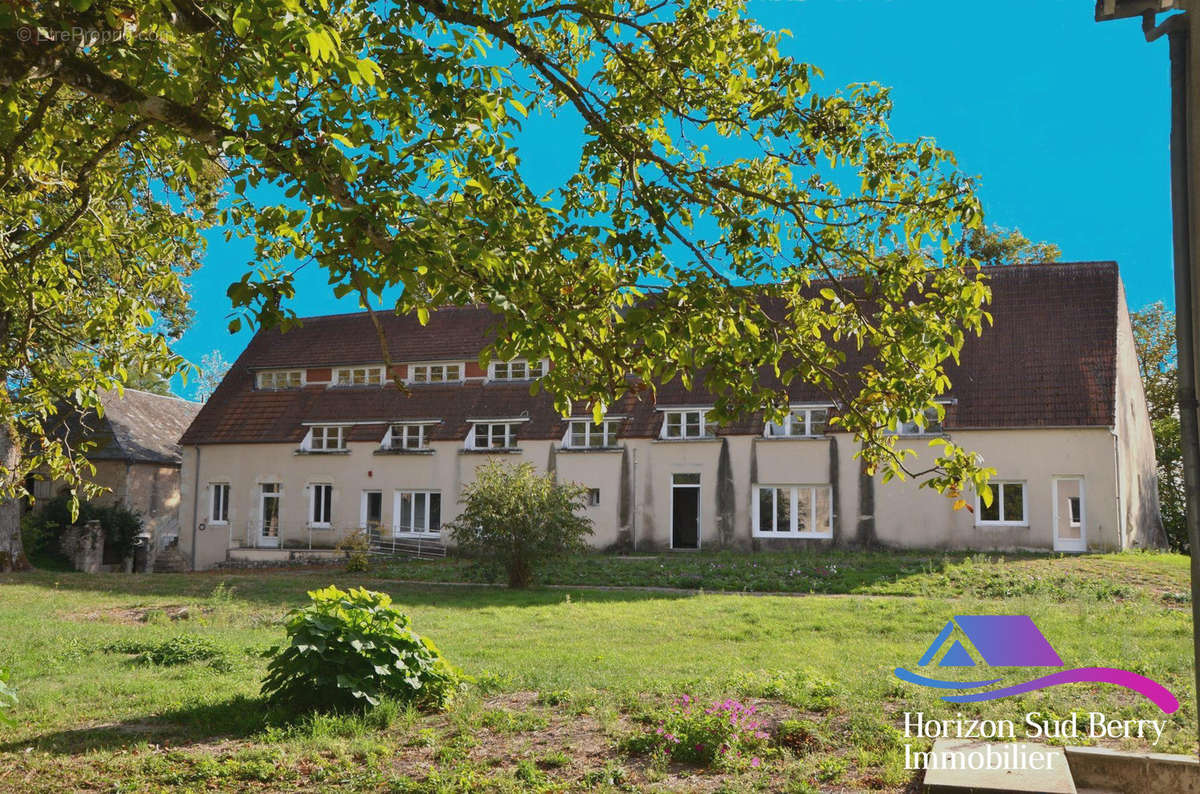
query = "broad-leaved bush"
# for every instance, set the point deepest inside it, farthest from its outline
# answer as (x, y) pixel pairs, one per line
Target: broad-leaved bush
(351, 649)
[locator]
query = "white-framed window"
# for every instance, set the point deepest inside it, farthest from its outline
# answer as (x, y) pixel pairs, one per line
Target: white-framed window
(795, 511)
(492, 435)
(408, 435)
(593, 497)
(585, 434)
(517, 369)
(1076, 507)
(320, 505)
(929, 425)
(219, 514)
(800, 423)
(1007, 507)
(417, 512)
(686, 423)
(435, 373)
(358, 376)
(327, 438)
(281, 379)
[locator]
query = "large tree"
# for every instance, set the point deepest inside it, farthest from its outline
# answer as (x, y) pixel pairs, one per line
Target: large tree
(380, 141)
(996, 245)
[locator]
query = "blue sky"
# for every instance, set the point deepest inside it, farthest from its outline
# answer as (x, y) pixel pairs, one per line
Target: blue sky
(1065, 122)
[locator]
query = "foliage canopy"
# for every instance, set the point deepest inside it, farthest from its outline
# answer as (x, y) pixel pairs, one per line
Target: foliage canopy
(380, 141)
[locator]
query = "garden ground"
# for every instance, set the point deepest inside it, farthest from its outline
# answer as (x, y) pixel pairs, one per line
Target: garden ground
(564, 677)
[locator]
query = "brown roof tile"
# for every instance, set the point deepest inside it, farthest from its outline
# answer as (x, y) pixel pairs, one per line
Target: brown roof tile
(1048, 360)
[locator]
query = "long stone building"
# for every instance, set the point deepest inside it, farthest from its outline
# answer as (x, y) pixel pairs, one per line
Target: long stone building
(307, 440)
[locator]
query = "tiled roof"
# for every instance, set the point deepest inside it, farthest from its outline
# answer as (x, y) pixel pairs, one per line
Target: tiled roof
(1048, 360)
(139, 427)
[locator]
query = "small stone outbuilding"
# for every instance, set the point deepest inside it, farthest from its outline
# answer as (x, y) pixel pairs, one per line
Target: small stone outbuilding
(137, 456)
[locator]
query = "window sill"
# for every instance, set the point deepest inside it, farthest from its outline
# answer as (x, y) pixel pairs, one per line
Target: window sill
(791, 536)
(324, 527)
(591, 449)
(403, 452)
(505, 451)
(686, 440)
(321, 452)
(990, 524)
(794, 438)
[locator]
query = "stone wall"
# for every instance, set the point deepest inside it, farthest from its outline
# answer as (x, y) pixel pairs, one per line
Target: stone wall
(84, 546)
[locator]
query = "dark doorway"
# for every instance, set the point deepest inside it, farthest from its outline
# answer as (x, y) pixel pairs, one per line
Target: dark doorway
(374, 511)
(685, 511)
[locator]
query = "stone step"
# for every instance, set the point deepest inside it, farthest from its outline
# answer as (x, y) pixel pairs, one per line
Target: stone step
(171, 560)
(962, 766)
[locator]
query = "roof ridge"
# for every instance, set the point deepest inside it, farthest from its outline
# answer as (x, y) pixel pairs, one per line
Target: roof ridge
(155, 394)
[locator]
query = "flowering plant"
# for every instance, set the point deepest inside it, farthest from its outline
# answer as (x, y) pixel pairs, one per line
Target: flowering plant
(723, 732)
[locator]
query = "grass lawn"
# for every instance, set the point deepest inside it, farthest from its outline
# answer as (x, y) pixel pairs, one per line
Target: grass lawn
(563, 677)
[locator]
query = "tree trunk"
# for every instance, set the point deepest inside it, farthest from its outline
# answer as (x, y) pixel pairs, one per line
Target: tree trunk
(12, 555)
(520, 574)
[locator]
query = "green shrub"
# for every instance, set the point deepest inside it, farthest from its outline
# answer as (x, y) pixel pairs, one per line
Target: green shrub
(348, 650)
(182, 649)
(8, 697)
(356, 545)
(514, 518)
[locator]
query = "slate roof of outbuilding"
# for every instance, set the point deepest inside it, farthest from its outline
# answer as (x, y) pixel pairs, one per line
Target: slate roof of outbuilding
(1048, 360)
(138, 427)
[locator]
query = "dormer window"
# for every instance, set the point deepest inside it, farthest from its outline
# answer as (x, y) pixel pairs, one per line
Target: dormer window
(800, 423)
(686, 424)
(585, 434)
(928, 425)
(435, 373)
(326, 438)
(281, 379)
(517, 369)
(410, 436)
(358, 376)
(493, 435)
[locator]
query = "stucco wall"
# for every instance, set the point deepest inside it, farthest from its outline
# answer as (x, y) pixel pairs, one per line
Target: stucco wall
(903, 514)
(1137, 472)
(909, 516)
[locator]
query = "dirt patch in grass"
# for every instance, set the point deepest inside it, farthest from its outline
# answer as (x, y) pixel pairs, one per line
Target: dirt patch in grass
(509, 742)
(567, 746)
(165, 613)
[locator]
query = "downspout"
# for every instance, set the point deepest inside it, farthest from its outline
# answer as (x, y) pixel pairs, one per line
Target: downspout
(1121, 523)
(196, 508)
(1184, 308)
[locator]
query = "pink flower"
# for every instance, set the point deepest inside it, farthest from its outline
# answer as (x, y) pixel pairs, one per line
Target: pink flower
(754, 762)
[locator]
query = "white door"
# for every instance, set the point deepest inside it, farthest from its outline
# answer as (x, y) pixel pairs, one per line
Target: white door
(1070, 519)
(269, 516)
